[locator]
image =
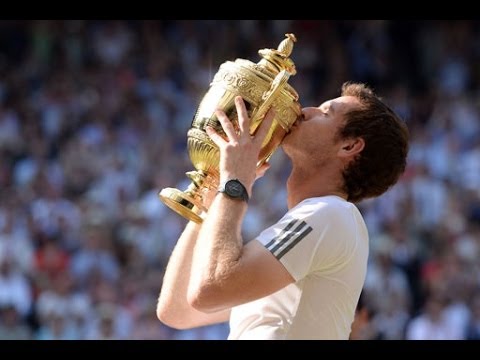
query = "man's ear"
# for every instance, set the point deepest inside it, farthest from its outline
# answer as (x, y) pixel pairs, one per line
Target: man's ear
(351, 147)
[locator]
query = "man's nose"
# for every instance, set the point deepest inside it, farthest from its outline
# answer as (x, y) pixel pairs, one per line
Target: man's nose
(306, 113)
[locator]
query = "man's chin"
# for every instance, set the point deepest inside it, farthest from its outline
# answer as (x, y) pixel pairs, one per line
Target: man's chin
(286, 143)
(288, 138)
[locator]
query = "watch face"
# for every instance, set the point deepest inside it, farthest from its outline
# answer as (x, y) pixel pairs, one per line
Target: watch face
(233, 188)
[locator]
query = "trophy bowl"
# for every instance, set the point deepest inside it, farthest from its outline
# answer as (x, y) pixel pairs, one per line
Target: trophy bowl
(261, 85)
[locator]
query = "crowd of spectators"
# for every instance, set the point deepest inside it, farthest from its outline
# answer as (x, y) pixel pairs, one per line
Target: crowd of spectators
(93, 122)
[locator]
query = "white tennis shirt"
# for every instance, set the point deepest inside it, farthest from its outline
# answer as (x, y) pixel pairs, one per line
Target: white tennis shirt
(323, 243)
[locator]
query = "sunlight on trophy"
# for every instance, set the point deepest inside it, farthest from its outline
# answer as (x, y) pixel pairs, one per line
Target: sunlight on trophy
(261, 86)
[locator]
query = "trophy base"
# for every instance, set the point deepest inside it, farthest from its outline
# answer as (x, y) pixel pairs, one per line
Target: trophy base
(182, 204)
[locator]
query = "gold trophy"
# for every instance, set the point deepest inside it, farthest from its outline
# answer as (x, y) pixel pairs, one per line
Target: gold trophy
(261, 86)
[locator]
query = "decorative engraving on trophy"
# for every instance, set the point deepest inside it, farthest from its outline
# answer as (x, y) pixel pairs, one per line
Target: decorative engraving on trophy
(230, 79)
(243, 83)
(238, 82)
(284, 113)
(202, 150)
(254, 92)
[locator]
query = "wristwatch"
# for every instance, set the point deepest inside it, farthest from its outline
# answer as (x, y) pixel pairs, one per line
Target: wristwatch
(234, 189)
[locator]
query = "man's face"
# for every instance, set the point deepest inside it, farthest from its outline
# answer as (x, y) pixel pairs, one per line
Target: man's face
(314, 135)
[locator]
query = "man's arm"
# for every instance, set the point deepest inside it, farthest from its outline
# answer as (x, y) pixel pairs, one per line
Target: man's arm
(173, 308)
(224, 272)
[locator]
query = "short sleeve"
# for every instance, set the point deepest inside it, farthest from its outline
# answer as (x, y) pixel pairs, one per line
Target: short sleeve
(312, 237)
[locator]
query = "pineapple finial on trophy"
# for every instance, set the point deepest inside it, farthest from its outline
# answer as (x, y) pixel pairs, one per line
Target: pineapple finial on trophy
(278, 60)
(286, 46)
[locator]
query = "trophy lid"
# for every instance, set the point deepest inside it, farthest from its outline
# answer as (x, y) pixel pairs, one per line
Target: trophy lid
(278, 60)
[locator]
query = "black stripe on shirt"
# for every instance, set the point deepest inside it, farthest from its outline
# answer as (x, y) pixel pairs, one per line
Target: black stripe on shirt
(288, 237)
(282, 233)
(304, 233)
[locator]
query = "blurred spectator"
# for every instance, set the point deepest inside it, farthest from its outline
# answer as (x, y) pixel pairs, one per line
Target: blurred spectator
(472, 331)
(11, 325)
(431, 323)
(14, 286)
(94, 257)
(15, 241)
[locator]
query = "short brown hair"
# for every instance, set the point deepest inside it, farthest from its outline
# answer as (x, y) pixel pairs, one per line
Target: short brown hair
(384, 157)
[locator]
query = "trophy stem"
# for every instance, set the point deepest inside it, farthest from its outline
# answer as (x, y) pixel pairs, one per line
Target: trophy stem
(189, 203)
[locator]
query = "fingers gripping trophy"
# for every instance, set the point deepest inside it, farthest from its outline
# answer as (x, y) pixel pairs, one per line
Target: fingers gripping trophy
(261, 85)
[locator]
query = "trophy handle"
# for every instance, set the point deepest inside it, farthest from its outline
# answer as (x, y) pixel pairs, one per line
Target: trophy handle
(268, 97)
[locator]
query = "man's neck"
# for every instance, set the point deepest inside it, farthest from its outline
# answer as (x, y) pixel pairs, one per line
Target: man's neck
(305, 183)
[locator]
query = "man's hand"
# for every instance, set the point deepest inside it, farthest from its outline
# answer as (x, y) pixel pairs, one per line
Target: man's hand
(239, 152)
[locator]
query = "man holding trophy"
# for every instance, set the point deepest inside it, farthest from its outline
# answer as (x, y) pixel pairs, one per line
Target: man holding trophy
(301, 278)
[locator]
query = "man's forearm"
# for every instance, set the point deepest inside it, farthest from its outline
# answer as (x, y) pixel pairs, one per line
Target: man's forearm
(173, 308)
(218, 248)
(172, 303)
